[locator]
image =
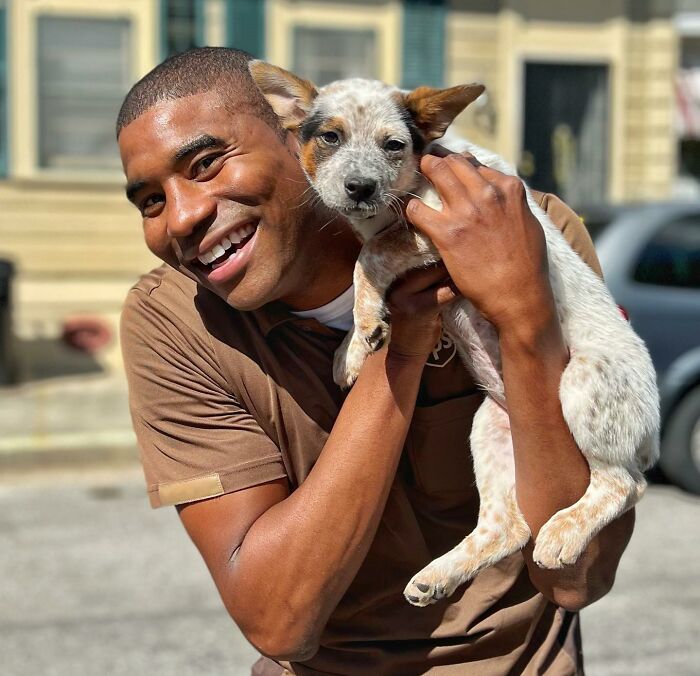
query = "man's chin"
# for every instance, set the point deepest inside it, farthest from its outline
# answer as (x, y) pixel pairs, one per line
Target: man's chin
(232, 292)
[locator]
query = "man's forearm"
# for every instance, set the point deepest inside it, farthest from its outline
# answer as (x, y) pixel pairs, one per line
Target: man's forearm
(299, 558)
(551, 473)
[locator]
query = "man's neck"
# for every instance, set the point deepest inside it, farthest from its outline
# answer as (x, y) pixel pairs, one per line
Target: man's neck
(333, 257)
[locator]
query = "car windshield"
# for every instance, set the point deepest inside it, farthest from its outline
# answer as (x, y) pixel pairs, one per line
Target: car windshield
(597, 220)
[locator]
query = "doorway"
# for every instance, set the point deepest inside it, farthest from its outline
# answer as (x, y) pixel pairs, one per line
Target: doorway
(565, 140)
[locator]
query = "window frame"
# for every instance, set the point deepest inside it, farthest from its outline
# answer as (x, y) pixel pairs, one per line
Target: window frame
(385, 19)
(199, 25)
(24, 113)
(296, 41)
(4, 85)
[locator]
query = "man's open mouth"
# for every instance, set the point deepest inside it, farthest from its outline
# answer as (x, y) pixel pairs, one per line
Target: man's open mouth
(227, 248)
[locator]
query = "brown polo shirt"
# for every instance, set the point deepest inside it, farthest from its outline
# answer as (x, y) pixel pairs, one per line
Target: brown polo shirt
(223, 400)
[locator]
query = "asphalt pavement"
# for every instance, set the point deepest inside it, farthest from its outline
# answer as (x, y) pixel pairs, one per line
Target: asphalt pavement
(92, 581)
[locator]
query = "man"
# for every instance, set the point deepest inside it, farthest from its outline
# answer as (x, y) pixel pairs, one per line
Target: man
(311, 507)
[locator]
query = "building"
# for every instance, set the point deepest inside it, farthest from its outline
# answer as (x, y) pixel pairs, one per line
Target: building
(580, 97)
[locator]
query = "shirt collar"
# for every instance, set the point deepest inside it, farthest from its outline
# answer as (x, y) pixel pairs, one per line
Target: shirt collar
(273, 315)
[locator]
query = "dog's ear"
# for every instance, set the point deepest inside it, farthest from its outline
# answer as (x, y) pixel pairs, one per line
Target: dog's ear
(291, 97)
(433, 110)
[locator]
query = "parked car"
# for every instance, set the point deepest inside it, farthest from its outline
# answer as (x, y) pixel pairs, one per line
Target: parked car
(650, 255)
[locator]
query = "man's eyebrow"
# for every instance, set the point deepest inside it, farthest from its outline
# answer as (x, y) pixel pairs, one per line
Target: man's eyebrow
(195, 145)
(132, 188)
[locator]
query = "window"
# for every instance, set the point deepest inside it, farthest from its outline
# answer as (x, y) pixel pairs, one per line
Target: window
(181, 21)
(84, 72)
(672, 257)
(323, 55)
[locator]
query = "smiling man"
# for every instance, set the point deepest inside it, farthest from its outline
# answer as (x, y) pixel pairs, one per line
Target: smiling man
(312, 507)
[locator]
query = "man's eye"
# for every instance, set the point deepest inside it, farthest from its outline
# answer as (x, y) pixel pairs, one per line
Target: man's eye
(330, 137)
(205, 163)
(394, 145)
(150, 205)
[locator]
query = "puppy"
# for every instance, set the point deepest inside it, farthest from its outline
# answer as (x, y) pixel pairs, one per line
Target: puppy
(361, 143)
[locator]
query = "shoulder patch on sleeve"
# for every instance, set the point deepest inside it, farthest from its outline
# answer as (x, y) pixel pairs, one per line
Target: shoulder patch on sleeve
(188, 490)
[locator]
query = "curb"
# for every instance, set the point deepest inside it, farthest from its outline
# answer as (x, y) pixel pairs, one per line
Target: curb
(71, 451)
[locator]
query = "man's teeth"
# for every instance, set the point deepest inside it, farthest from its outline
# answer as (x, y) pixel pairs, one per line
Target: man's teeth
(218, 250)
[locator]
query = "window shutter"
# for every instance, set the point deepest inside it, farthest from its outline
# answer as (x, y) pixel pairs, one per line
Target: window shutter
(3, 89)
(423, 43)
(181, 25)
(246, 26)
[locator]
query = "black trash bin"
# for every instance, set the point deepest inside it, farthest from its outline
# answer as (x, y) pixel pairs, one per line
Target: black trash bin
(7, 362)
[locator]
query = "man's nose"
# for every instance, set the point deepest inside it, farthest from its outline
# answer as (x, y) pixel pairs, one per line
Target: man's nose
(360, 188)
(190, 206)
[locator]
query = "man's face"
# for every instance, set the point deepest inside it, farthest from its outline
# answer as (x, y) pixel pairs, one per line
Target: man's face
(203, 178)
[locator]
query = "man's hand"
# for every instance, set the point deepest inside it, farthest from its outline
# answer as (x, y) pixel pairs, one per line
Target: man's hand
(491, 243)
(415, 302)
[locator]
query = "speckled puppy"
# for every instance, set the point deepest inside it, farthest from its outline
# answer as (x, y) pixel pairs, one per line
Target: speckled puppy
(361, 143)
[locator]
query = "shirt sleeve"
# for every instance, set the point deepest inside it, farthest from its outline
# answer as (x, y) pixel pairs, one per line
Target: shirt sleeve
(195, 439)
(571, 226)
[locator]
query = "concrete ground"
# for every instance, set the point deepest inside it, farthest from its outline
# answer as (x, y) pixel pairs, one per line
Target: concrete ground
(94, 582)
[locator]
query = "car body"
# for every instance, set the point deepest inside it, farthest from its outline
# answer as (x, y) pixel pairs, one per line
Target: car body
(650, 255)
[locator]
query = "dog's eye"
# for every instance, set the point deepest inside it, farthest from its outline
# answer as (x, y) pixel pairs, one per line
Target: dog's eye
(394, 145)
(330, 137)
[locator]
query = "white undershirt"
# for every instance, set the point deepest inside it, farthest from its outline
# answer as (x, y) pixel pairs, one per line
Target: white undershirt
(337, 314)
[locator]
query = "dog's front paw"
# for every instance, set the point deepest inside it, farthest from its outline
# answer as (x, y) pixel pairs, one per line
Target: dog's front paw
(436, 581)
(376, 337)
(560, 542)
(347, 363)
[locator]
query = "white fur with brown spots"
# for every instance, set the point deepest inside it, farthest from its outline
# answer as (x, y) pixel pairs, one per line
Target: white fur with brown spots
(608, 390)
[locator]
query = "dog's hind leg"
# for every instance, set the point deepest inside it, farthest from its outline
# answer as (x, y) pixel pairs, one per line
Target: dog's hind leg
(611, 408)
(501, 528)
(612, 490)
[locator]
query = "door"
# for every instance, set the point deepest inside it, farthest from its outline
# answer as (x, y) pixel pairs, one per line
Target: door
(565, 140)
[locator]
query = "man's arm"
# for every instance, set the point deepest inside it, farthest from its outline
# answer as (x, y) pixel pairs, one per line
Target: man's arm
(495, 252)
(282, 561)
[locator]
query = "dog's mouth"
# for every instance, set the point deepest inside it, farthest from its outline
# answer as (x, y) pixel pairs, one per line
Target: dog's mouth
(361, 211)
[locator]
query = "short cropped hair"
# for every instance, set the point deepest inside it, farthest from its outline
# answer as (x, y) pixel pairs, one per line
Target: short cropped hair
(199, 70)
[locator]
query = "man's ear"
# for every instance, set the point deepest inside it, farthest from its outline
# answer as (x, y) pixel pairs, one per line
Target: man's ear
(433, 110)
(291, 97)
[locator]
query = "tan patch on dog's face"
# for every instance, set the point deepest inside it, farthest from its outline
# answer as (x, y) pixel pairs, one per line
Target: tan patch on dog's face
(335, 124)
(308, 159)
(316, 149)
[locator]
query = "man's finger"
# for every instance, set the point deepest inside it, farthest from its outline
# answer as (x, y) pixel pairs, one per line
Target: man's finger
(439, 151)
(419, 279)
(431, 299)
(471, 159)
(425, 218)
(446, 293)
(454, 177)
(496, 178)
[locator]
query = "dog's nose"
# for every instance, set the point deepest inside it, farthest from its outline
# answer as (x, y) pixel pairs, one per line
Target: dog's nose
(359, 188)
